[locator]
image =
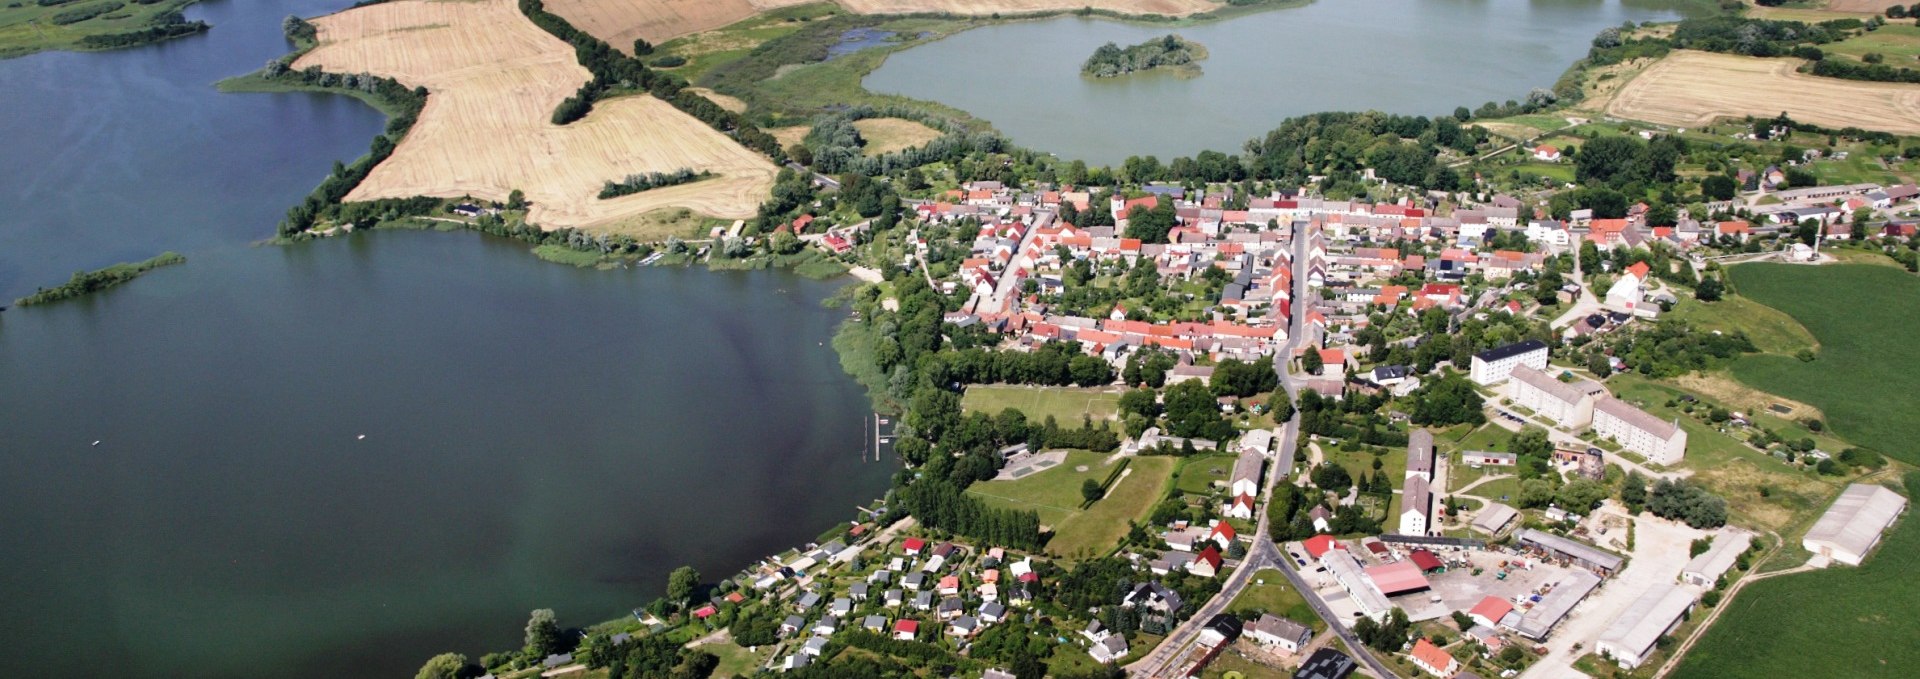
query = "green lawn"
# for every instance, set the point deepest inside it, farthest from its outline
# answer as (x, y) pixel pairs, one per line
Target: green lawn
(1841, 622)
(1270, 593)
(1198, 473)
(1557, 171)
(1862, 316)
(734, 660)
(1055, 494)
(1393, 460)
(1771, 331)
(1067, 405)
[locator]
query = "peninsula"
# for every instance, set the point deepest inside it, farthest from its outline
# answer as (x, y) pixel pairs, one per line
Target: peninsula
(32, 26)
(1168, 51)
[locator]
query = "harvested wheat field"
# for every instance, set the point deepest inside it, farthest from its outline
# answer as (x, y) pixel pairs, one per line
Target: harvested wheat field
(789, 136)
(985, 7)
(886, 135)
(723, 101)
(494, 80)
(620, 21)
(1689, 89)
(1858, 6)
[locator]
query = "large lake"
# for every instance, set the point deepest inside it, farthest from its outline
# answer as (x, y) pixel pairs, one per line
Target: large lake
(535, 435)
(1403, 56)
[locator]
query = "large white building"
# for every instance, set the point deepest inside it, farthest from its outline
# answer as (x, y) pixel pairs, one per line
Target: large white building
(1633, 635)
(1494, 365)
(1365, 595)
(1660, 441)
(1246, 474)
(1852, 526)
(1728, 544)
(1566, 405)
(1416, 508)
(1420, 454)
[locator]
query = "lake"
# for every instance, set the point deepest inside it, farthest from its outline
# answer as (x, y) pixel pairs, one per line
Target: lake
(535, 435)
(1401, 56)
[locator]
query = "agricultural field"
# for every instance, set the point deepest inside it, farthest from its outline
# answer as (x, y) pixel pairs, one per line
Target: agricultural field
(1841, 622)
(486, 129)
(1690, 89)
(619, 22)
(1067, 405)
(1855, 311)
(886, 135)
(27, 27)
(1055, 494)
(988, 7)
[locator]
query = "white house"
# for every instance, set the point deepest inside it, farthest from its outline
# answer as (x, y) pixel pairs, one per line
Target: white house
(1662, 442)
(1278, 632)
(1493, 366)
(1246, 474)
(1547, 153)
(1563, 404)
(1416, 509)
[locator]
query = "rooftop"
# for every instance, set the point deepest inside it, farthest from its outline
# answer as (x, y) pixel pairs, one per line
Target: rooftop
(1635, 417)
(1573, 548)
(1856, 518)
(1560, 391)
(1565, 595)
(1649, 617)
(1511, 350)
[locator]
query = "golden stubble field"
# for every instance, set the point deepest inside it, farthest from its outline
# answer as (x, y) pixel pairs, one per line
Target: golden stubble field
(1690, 89)
(494, 80)
(620, 21)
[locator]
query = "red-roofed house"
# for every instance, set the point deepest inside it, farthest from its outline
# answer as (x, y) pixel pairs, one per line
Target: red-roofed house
(912, 546)
(1639, 270)
(1242, 507)
(1398, 577)
(705, 612)
(1737, 229)
(1434, 659)
(1206, 564)
(1333, 364)
(801, 223)
(906, 630)
(1222, 534)
(1319, 545)
(1547, 153)
(1490, 610)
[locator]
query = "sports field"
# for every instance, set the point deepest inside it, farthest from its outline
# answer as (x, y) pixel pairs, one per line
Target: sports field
(1055, 494)
(1067, 405)
(1862, 315)
(1690, 89)
(487, 128)
(1841, 622)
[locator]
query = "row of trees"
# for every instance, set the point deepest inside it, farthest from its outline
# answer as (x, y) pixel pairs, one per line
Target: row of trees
(941, 505)
(635, 183)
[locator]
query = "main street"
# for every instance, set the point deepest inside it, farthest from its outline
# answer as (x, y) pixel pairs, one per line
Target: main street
(1163, 661)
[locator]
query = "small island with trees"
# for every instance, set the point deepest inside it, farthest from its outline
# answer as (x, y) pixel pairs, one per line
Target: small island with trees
(1168, 51)
(88, 282)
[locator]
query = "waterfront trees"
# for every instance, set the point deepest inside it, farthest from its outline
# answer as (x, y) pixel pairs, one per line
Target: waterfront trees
(682, 583)
(443, 666)
(543, 634)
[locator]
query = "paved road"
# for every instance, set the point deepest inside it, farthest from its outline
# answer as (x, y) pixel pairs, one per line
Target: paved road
(1264, 554)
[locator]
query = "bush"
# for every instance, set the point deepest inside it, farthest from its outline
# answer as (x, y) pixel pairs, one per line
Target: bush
(669, 61)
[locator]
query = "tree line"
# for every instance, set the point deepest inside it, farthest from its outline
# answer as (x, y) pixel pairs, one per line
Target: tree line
(941, 505)
(635, 183)
(163, 26)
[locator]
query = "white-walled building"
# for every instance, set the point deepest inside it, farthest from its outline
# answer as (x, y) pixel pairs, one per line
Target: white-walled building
(1564, 404)
(1416, 508)
(1660, 441)
(1492, 366)
(1420, 454)
(1633, 635)
(1246, 474)
(1728, 544)
(1852, 526)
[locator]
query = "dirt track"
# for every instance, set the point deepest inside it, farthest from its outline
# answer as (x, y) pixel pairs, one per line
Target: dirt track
(495, 79)
(1691, 89)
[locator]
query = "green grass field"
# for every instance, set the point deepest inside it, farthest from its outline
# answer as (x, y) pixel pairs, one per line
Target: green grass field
(1899, 43)
(1862, 316)
(1270, 593)
(1842, 622)
(1067, 405)
(1055, 494)
(735, 660)
(27, 27)
(1771, 331)
(1197, 474)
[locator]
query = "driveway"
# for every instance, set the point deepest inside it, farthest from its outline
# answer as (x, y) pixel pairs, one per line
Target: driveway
(1660, 551)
